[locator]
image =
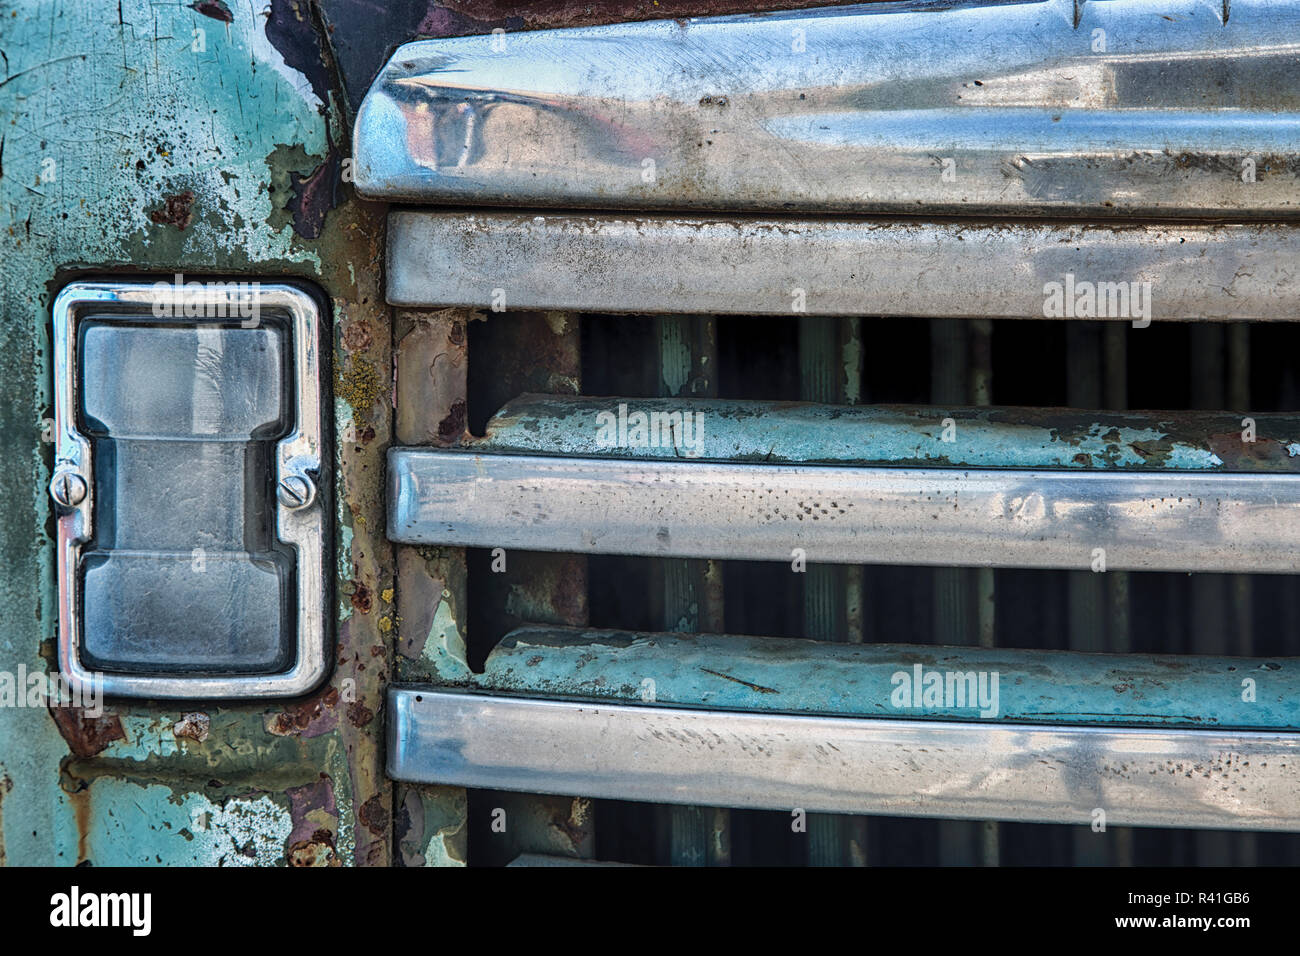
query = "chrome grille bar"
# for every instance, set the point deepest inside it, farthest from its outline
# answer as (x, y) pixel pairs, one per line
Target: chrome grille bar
(603, 263)
(968, 770)
(988, 518)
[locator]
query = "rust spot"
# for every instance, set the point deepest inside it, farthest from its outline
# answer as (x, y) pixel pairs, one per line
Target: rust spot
(80, 800)
(310, 718)
(313, 196)
(176, 211)
(194, 726)
(87, 736)
(1146, 450)
(453, 426)
(307, 803)
(359, 714)
(216, 9)
(374, 815)
(357, 337)
(361, 599)
(569, 593)
(313, 853)
(314, 815)
(1261, 454)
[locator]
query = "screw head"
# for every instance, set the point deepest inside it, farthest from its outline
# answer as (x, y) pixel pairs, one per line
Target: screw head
(68, 489)
(296, 491)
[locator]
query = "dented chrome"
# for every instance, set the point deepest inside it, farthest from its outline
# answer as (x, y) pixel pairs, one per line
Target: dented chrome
(1128, 107)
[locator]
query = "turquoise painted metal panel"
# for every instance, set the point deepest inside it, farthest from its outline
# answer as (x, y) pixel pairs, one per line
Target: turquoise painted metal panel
(205, 140)
(727, 672)
(958, 436)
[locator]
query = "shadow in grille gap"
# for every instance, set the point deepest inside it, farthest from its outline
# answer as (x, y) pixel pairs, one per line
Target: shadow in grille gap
(1033, 364)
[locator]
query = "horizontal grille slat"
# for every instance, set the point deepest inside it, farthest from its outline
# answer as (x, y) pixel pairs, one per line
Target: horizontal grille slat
(1084, 520)
(945, 769)
(851, 267)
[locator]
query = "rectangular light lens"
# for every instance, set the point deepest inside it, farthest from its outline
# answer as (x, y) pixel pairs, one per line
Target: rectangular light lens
(183, 574)
(185, 568)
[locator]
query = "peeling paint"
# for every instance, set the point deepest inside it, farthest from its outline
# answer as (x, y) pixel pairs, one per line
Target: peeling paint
(314, 816)
(235, 139)
(193, 726)
(134, 818)
(86, 736)
(432, 826)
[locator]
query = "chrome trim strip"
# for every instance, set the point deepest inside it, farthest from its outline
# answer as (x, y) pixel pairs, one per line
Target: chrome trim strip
(1131, 108)
(1148, 521)
(971, 770)
(574, 262)
(299, 453)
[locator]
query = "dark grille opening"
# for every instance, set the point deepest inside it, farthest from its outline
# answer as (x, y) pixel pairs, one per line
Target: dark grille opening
(1042, 364)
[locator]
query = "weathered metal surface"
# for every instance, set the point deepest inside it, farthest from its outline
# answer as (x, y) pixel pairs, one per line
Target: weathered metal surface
(1129, 107)
(431, 408)
(1149, 521)
(764, 674)
(430, 366)
(530, 351)
(533, 823)
(897, 267)
(946, 769)
(122, 155)
(805, 433)
(431, 827)
(432, 624)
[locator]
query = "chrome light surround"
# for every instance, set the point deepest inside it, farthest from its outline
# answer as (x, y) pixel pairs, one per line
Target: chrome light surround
(298, 457)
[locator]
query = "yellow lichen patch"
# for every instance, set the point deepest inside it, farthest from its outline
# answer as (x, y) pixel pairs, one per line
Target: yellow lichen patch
(358, 385)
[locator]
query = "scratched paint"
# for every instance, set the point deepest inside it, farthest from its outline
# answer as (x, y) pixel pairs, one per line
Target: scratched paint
(796, 433)
(771, 674)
